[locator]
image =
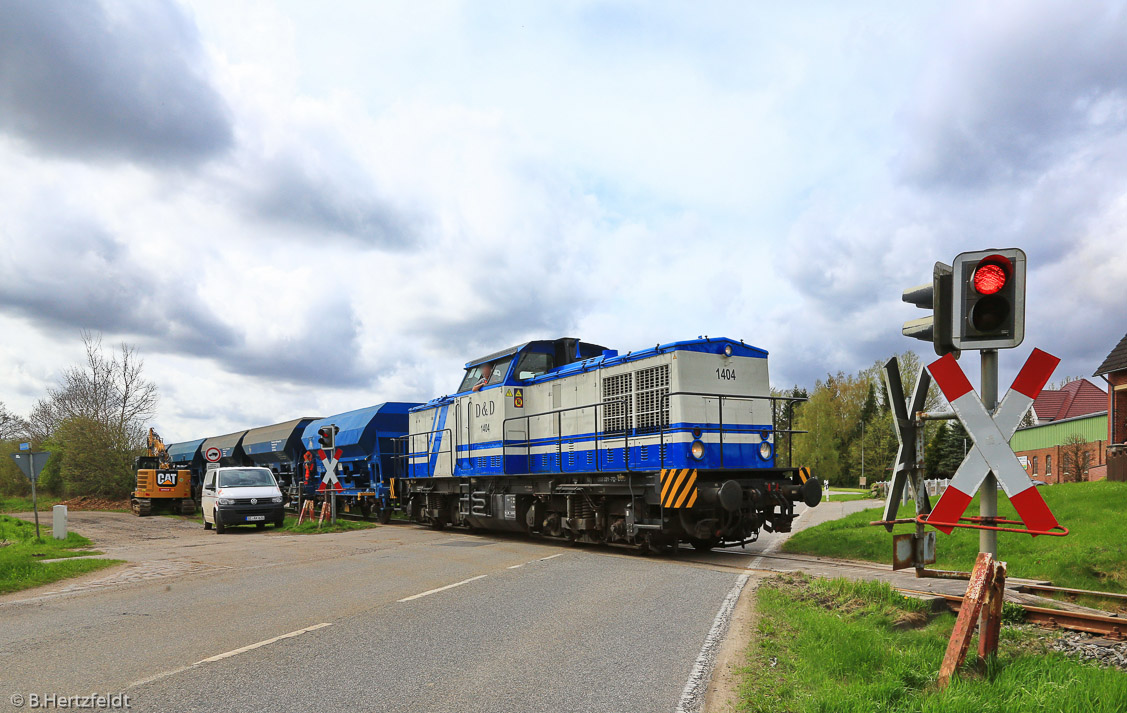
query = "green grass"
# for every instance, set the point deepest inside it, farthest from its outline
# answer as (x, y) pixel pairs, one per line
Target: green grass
(1092, 556)
(23, 504)
(310, 527)
(836, 645)
(844, 497)
(21, 554)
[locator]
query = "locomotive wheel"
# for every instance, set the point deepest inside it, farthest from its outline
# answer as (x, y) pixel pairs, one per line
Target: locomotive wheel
(704, 545)
(365, 509)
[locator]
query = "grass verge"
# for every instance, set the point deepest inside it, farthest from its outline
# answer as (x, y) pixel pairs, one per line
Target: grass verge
(840, 497)
(1092, 556)
(23, 504)
(837, 645)
(21, 554)
(310, 527)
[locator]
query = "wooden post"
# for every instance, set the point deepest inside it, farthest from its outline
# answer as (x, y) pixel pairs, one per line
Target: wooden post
(992, 613)
(981, 581)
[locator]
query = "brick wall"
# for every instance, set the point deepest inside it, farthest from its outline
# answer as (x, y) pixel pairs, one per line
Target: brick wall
(1097, 457)
(1117, 407)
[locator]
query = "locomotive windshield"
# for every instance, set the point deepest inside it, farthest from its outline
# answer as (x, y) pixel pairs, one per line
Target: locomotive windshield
(481, 375)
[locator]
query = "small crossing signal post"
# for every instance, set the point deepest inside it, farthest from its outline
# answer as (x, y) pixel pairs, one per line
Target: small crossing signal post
(978, 304)
(327, 438)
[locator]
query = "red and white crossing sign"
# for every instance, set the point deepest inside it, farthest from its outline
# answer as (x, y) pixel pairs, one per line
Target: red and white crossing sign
(329, 481)
(212, 455)
(991, 436)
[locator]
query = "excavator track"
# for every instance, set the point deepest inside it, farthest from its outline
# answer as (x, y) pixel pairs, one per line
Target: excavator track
(187, 507)
(142, 506)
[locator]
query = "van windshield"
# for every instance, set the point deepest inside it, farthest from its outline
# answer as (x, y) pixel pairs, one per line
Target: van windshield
(246, 478)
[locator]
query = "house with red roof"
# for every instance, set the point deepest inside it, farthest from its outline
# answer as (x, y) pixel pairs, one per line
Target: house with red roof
(1077, 398)
(1114, 372)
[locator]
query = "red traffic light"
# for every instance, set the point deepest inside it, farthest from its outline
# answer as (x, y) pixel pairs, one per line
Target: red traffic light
(991, 275)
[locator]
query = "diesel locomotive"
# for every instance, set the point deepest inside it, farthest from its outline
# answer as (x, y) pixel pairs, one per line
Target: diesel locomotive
(569, 440)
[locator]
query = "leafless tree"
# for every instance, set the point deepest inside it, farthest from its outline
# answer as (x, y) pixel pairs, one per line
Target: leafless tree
(1076, 457)
(99, 415)
(111, 391)
(11, 425)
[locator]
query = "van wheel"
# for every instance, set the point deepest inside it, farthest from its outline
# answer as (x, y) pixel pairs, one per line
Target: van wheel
(206, 525)
(280, 523)
(219, 526)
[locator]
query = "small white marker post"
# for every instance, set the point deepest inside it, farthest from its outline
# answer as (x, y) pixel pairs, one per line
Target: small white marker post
(59, 522)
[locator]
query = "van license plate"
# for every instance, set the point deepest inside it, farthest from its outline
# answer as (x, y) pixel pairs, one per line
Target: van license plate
(252, 518)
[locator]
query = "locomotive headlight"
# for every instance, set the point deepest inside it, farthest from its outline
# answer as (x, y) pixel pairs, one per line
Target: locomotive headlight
(727, 350)
(697, 450)
(765, 450)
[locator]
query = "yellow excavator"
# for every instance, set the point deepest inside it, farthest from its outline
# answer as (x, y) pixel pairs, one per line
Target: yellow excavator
(159, 485)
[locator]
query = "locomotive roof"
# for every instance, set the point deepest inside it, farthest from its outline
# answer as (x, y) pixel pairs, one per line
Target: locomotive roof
(714, 345)
(587, 346)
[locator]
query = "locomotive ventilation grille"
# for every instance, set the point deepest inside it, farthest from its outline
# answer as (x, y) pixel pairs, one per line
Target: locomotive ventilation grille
(637, 400)
(617, 392)
(651, 405)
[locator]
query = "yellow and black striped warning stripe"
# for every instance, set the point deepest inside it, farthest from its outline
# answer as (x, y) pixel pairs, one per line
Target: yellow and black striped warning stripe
(678, 488)
(804, 474)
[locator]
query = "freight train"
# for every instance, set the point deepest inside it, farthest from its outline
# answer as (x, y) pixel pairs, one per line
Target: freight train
(563, 439)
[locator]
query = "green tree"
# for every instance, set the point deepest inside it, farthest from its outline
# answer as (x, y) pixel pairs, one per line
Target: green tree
(96, 419)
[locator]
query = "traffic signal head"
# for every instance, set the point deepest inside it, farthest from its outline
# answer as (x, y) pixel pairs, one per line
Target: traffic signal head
(327, 437)
(936, 297)
(989, 299)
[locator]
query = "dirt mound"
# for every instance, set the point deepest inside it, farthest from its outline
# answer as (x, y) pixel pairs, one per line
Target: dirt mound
(88, 502)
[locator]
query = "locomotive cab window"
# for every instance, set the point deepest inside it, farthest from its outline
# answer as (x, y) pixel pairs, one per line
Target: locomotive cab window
(492, 373)
(534, 364)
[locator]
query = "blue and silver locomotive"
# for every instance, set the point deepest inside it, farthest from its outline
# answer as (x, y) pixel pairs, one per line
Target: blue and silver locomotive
(570, 440)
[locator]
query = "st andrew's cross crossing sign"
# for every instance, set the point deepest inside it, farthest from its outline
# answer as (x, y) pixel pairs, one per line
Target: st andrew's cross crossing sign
(329, 481)
(991, 435)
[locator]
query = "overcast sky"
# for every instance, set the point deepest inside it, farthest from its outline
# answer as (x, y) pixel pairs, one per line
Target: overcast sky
(298, 208)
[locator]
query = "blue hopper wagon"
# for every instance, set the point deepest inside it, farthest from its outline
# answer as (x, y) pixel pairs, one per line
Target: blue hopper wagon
(188, 455)
(278, 447)
(367, 449)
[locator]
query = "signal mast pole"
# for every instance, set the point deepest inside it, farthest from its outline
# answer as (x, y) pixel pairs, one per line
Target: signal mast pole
(988, 493)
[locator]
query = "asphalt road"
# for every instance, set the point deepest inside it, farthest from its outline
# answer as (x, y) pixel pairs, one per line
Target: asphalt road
(530, 626)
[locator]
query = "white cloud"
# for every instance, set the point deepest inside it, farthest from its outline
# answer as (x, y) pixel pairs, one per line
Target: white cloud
(407, 186)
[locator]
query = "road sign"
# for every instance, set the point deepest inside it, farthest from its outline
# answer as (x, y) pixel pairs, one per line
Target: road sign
(31, 463)
(330, 481)
(991, 435)
(25, 446)
(212, 455)
(909, 458)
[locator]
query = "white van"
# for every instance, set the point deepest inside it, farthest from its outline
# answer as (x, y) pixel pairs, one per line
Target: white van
(241, 496)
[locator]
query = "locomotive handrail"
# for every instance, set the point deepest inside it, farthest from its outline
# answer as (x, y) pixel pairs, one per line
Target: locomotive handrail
(627, 436)
(559, 433)
(720, 417)
(407, 454)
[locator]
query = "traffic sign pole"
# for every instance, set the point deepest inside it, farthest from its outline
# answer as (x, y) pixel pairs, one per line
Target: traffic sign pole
(988, 493)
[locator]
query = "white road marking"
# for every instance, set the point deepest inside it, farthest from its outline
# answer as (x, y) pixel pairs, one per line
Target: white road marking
(229, 654)
(251, 647)
(692, 697)
(442, 589)
(518, 566)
